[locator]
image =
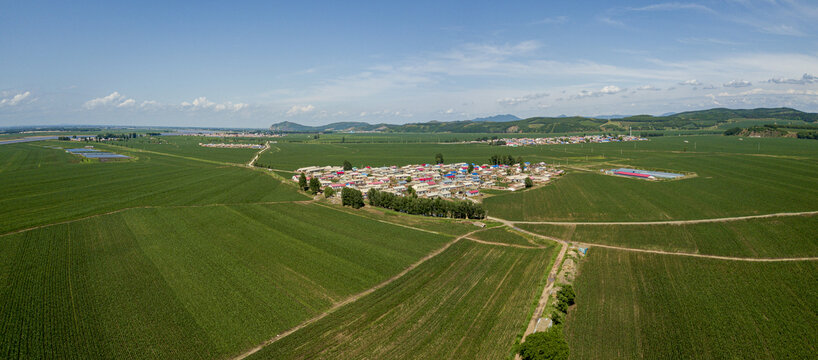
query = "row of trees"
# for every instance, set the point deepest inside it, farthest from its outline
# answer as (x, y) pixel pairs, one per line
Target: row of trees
(313, 186)
(459, 209)
(352, 197)
(505, 160)
(550, 344)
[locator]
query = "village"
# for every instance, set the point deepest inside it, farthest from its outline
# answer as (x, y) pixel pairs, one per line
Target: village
(460, 180)
(515, 142)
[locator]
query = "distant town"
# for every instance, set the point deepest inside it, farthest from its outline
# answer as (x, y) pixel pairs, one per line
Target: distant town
(459, 180)
(514, 142)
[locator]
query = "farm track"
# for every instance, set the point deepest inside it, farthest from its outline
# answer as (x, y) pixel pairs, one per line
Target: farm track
(253, 160)
(664, 222)
(510, 224)
(357, 296)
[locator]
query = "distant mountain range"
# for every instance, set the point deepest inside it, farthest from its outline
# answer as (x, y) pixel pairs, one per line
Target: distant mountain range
(703, 119)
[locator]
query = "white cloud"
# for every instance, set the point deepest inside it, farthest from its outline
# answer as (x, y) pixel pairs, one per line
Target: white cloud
(202, 103)
(607, 90)
(112, 99)
(691, 82)
(127, 103)
(296, 110)
(148, 103)
(15, 100)
(805, 79)
(648, 88)
(520, 99)
(449, 111)
(609, 21)
(738, 83)
(672, 6)
(553, 20)
(786, 30)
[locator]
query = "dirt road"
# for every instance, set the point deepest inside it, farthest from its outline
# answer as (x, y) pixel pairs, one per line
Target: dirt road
(354, 298)
(668, 222)
(253, 160)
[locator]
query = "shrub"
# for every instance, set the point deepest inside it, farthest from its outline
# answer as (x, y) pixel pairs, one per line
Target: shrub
(546, 345)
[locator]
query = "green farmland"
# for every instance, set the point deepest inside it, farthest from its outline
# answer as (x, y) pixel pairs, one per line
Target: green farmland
(720, 189)
(789, 236)
(469, 302)
(42, 185)
(170, 283)
(672, 307)
(185, 252)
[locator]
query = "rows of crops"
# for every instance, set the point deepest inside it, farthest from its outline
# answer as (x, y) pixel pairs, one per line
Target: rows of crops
(632, 305)
(469, 302)
(502, 235)
(188, 146)
(726, 185)
(58, 191)
(171, 283)
(792, 236)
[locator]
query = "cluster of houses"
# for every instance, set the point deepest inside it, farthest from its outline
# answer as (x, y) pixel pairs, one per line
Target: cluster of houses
(430, 181)
(569, 140)
(233, 146)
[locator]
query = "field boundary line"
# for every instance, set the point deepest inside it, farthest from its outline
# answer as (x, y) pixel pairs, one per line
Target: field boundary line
(152, 207)
(506, 245)
(353, 298)
(661, 222)
(386, 222)
(660, 252)
(717, 257)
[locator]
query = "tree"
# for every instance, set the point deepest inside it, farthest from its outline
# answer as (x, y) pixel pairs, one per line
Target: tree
(329, 192)
(315, 185)
(567, 294)
(302, 182)
(408, 179)
(546, 345)
(352, 197)
(471, 168)
(438, 158)
(528, 182)
(410, 191)
(347, 165)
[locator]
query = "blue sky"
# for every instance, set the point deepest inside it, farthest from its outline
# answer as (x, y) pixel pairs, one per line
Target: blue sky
(250, 64)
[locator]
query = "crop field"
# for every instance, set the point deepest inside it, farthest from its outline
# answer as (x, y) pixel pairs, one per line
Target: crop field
(441, 225)
(503, 236)
(169, 283)
(671, 307)
(188, 146)
(53, 190)
(469, 302)
(726, 185)
(791, 236)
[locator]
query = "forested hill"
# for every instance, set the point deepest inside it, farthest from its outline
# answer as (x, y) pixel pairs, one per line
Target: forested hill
(718, 118)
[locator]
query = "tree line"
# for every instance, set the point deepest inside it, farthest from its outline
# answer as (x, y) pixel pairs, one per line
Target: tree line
(437, 207)
(550, 344)
(504, 160)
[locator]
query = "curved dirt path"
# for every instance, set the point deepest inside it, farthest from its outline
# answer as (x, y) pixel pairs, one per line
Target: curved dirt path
(718, 257)
(667, 222)
(355, 297)
(253, 160)
(662, 252)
